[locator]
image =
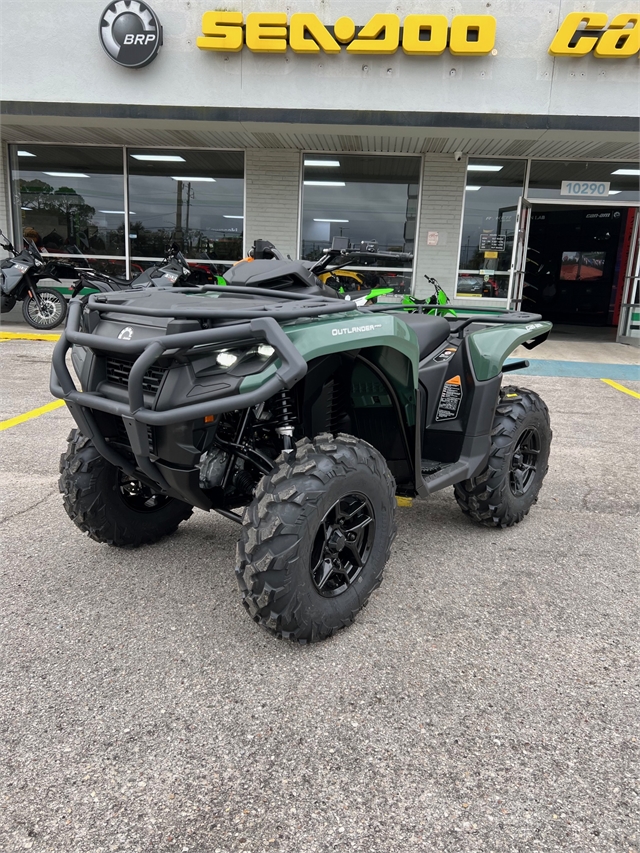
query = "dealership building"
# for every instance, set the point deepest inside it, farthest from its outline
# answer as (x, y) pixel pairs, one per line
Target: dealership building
(496, 141)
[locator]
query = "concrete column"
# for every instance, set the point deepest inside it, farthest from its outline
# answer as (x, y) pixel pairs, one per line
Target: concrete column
(5, 190)
(443, 186)
(272, 198)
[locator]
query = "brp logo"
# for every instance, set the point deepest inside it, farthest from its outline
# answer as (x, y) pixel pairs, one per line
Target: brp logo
(130, 33)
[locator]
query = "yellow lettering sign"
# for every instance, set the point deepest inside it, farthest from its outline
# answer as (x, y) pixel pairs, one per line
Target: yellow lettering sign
(620, 40)
(303, 23)
(472, 35)
(266, 32)
(436, 27)
(222, 31)
(368, 41)
(344, 29)
(592, 21)
(422, 35)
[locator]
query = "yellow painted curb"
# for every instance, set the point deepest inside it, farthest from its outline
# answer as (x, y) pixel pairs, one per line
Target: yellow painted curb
(27, 336)
(621, 388)
(34, 413)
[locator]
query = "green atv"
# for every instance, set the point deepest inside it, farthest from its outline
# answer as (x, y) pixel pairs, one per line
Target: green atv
(314, 416)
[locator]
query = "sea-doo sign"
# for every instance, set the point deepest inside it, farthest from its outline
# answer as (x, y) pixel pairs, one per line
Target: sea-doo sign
(130, 33)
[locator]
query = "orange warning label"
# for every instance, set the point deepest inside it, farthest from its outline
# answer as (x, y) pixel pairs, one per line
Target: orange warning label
(450, 399)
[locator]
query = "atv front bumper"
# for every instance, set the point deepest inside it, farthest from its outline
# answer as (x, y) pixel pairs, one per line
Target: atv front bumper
(137, 416)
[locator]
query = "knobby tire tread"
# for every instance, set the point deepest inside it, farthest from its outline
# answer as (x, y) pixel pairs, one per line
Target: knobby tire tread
(86, 501)
(485, 498)
(270, 541)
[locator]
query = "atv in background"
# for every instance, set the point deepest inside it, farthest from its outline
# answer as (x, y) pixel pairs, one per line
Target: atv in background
(297, 415)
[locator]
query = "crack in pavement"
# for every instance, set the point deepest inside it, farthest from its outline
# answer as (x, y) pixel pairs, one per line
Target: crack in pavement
(26, 509)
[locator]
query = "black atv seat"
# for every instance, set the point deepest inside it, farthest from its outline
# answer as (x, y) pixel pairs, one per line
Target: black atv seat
(430, 330)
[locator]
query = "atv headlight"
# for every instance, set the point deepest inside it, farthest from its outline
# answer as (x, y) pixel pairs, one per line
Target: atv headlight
(265, 350)
(226, 359)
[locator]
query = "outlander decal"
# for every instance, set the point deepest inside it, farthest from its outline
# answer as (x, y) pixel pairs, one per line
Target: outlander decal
(350, 331)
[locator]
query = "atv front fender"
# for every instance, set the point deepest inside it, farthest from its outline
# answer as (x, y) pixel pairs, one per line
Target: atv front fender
(355, 332)
(490, 347)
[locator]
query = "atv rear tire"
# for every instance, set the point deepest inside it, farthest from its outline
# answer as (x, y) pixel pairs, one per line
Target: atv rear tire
(316, 538)
(109, 506)
(505, 491)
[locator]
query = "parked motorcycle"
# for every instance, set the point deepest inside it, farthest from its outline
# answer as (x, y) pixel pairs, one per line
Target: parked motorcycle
(173, 272)
(42, 307)
(439, 298)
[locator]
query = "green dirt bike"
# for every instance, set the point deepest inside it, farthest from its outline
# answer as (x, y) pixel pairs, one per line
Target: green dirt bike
(298, 415)
(439, 298)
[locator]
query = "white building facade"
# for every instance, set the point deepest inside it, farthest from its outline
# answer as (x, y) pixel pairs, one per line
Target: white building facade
(496, 141)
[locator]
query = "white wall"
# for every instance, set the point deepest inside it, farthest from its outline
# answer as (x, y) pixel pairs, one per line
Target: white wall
(272, 198)
(443, 186)
(522, 78)
(4, 191)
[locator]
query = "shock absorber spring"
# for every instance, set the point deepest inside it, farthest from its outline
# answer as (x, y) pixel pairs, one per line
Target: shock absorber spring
(285, 417)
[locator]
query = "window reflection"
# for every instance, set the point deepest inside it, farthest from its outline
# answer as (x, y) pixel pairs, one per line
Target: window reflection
(363, 199)
(69, 200)
(193, 198)
(488, 229)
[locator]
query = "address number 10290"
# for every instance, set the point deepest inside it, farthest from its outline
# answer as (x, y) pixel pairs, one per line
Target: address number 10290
(585, 188)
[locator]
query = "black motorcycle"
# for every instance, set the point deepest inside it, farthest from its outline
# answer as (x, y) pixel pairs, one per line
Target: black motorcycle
(42, 307)
(173, 271)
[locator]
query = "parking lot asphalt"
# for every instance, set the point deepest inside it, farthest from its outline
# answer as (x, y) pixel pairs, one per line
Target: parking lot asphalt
(485, 700)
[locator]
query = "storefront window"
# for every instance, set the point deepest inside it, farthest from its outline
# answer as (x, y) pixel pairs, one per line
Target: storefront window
(371, 199)
(586, 179)
(70, 201)
(192, 198)
(488, 228)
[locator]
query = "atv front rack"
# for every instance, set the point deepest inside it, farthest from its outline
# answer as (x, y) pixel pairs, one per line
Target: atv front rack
(258, 322)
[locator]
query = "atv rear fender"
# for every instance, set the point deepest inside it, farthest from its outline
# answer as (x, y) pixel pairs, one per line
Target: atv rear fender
(490, 347)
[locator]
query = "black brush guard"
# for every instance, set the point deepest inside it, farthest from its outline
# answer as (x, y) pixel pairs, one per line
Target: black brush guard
(257, 322)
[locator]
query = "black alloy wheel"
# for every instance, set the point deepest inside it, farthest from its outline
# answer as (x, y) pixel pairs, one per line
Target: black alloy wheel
(110, 506)
(522, 470)
(316, 537)
(342, 544)
(502, 494)
(138, 496)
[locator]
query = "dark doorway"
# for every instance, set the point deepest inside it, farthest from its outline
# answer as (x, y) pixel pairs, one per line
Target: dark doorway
(573, 263)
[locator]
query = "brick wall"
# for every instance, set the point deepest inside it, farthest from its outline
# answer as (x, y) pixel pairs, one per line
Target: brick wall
(272, 197)
(443, 186)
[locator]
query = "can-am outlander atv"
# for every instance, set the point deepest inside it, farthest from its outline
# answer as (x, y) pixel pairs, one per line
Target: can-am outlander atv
(274, 394)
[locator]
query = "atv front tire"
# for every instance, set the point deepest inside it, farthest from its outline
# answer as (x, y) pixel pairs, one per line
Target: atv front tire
(108, 505)
(506, 490)
(316, 538)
